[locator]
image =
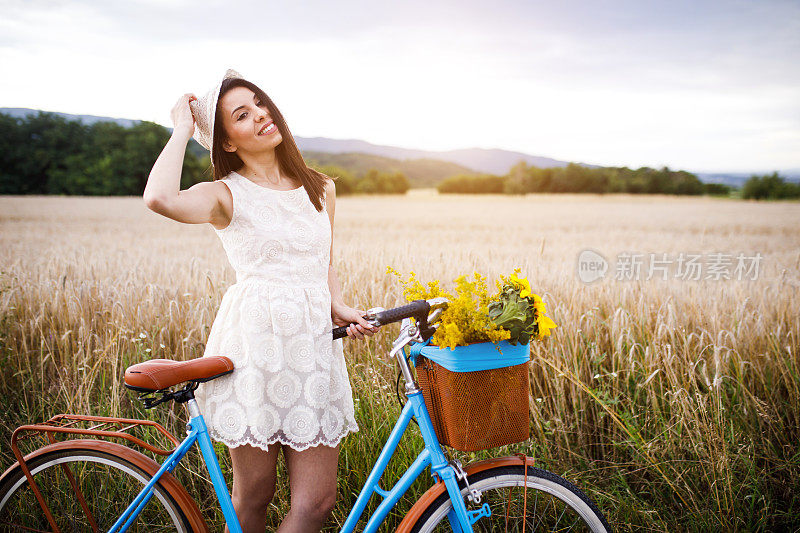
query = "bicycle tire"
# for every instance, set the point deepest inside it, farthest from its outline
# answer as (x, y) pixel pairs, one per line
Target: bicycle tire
(494, 484)
(105, 474)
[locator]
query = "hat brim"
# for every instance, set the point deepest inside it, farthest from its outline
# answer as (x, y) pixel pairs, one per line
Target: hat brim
(204, 111)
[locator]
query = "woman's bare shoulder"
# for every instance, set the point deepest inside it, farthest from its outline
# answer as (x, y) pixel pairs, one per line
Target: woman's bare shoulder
(216, 190)
(221, 186)
(330, 186)
(224, 199)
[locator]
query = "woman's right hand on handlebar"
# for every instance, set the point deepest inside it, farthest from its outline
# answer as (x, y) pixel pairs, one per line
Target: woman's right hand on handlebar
(181, 115)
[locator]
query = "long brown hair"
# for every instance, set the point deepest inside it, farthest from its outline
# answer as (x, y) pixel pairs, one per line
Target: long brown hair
(289, 158)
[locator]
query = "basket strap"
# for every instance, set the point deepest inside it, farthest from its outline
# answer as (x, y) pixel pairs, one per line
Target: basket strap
(415, 349)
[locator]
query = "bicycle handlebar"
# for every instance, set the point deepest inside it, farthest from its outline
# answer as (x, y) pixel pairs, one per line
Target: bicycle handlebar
(417, 309)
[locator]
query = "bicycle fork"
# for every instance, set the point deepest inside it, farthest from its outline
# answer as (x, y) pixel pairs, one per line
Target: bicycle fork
(460, 519)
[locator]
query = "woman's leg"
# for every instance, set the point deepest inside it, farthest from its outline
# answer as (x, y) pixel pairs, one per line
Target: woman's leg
(312, 481)
(254, 476)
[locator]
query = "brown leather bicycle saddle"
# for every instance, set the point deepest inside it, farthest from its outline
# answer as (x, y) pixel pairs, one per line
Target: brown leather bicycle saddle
(158, 374)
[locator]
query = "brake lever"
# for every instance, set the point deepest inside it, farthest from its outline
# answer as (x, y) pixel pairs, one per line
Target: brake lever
(437, 306)
(440, 302)
(433, 317)
(372, 316)
(408, 332)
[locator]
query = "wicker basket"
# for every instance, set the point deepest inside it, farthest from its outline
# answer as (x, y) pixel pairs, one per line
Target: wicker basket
(476, 410)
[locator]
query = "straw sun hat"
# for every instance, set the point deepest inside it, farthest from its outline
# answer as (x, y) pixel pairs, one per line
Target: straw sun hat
(204, 111)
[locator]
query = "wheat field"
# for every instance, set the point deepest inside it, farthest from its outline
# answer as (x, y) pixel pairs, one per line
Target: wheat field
(674, 404)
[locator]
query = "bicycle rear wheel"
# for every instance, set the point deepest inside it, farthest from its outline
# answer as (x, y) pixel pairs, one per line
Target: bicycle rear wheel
(542, 501)
(108, 484)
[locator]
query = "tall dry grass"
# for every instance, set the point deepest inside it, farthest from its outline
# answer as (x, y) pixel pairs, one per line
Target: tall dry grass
(674, 404)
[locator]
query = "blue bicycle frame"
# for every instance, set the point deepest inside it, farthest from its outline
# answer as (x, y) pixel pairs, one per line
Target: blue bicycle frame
(197, 432)
(460, 519)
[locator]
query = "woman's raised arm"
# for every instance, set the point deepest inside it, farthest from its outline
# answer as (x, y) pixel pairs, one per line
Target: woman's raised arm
(196, 205)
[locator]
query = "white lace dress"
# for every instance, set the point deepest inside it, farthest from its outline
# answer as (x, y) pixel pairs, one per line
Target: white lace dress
(290, 382)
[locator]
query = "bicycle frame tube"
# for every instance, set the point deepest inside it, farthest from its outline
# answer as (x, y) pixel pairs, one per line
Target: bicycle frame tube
(431, 455)
(196, 432)
(214, 471)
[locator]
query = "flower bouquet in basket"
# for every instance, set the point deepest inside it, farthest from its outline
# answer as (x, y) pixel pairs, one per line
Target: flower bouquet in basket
(474, 373)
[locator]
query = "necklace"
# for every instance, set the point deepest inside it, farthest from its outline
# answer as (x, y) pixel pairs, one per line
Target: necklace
(275, 185)
(266, 179)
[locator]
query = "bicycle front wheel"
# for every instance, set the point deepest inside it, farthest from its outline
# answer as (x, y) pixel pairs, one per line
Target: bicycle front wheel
(540, 501)
(85, 490)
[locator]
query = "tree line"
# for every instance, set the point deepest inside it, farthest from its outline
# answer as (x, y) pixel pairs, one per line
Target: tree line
(770, 187)
(523, 179)
(48, 154)
(372, 181)
(574, 178)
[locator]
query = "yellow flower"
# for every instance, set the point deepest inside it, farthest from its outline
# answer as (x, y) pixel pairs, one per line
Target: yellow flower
(466, 319)
(538, 304)
(526, 288)
(522, 284)
(499, 334)
(452, 336)
(545, 325)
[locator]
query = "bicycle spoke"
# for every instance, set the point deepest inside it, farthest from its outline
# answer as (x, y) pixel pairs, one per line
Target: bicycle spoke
(516, 507)
(555, 526)
(85, 492)
(573, 523)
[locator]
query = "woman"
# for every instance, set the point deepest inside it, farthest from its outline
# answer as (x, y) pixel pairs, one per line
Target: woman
(290, 390)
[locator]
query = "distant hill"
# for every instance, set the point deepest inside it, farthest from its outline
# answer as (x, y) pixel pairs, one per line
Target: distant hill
(424, 168)
(22, 112)
(492, 161)
(737, 179)
(420, 172)
(469, 161)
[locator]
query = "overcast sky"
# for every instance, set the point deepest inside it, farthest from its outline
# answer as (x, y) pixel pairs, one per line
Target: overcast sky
(696, 85)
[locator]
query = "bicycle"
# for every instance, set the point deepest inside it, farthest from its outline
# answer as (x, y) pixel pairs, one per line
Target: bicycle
(87, 478)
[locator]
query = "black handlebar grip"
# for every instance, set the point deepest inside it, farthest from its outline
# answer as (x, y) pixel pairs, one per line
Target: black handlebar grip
(415, 309)
(339, 332)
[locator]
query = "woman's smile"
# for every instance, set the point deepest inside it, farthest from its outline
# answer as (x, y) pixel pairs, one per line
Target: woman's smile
(268, 128)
